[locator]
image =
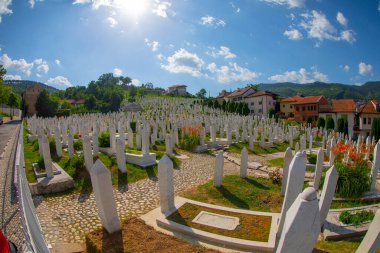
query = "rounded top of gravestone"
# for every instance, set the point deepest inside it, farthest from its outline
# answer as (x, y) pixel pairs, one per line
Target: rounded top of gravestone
(132, 107)
(309, 194)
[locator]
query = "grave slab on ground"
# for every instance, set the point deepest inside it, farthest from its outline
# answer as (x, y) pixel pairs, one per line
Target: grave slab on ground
(159, 221)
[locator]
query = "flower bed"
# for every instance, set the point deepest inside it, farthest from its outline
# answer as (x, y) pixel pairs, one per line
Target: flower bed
(354, 171)
(190, 137)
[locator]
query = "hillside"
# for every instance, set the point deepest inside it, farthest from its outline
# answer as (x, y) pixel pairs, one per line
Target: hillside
(19, 86)
(329, 90)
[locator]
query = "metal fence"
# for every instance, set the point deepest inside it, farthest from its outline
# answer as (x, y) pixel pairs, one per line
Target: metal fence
(34, 239)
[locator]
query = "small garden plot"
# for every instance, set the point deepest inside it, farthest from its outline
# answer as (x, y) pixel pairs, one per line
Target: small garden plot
(257, 149)
(255, 194)
(251, 227)
(349, 218)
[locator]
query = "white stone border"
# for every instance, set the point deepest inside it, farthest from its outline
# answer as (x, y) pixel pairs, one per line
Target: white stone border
(156, 219)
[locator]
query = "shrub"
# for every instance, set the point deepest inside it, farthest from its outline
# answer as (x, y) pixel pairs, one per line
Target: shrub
(275, 176)
(375, 129)
(321, 122)
(77, 162)
(41, 163)
(353, 181)
(312, 159)
(340, 125)
(78, 145)
(53, 150)
(356, 218)
(190, 137)
(330, 125)
(104, 139)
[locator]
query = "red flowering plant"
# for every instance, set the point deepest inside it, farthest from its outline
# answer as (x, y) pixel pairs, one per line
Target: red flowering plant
(190, 137)
(353, 169)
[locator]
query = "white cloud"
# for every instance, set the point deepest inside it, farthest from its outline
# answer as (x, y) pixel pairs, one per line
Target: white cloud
(365, 69)
(42, 66)
(226, 53)
(234, 7)
(289, 3)
(20, 65)
(4, 7)
(135, 82)
(12, 77)
(319, 27)
(81, 1)
(184, 62)
(212, 21)
(152, 44)
(341, 19)
(160, 57)
(111, 21)
(58, 62)
(346, 68)
(33, 2)
(231, 73)
(300, 76)
(293, 34)
(161, 8)
(117, 72)
(59, 82)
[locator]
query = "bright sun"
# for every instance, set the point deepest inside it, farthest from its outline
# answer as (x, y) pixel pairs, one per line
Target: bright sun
(134, 8)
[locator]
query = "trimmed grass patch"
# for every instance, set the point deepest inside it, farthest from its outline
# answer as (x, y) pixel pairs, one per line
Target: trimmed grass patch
(349, 204)
(251, 227)
(277, 162)
(257, 150)
(256, 194)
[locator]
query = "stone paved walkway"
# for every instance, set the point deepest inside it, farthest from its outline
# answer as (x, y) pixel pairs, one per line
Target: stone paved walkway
(10, 222)
(69, 218)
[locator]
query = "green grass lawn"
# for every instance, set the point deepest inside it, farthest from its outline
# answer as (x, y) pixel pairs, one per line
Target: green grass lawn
(257, 150)
(277, 162)
(338, 246)
(256, 194)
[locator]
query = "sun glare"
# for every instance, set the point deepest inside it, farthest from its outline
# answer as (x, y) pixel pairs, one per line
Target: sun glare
(134, 8)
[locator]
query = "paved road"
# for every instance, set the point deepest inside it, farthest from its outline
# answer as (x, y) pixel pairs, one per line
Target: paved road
(10, 222)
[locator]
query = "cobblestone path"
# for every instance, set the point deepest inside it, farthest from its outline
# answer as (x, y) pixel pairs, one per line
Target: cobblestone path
(68, 218)
(10, 222)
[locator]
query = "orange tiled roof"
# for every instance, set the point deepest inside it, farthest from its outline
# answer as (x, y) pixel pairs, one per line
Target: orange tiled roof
(224, 94)
(291, 99)
(177, 86)
(239, 92)
(76, 100)
(371, 106)
(262, 93)
(309, 100)
(343, 105)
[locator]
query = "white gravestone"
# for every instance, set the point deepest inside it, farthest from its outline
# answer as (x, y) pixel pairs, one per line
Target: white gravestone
(371, 241)
(47, 157)
(166, 185)
(318, 169)
(218, 171)
(287, 160)
(244, 163)
(105, 200)
(327, 194)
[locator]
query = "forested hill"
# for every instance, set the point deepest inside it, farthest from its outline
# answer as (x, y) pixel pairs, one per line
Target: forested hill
(329, 90)
(19, 86)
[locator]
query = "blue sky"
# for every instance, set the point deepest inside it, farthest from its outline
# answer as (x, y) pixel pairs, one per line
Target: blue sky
(211, 44)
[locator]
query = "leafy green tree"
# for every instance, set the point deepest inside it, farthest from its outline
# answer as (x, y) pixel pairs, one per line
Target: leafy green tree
(132, 91)
(340, 125)
(5, 91)
(66, 106)
(216, 104)
(330, 125)
(239, 108)
(201, 94)
(321, 122)
(246, 110)
(375, 128)
(231, 106)
(90, 102)
(224, 104)
(46, 106)
(14, 101)
(272, 112)
(116, 99)
(345, 126)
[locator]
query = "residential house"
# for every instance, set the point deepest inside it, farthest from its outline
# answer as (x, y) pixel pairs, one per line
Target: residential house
(367, 113)
(309, 107)
(178, 89)
(239, 94)
(287, 107)
(76, 101)
(261, 102)
(30, 97)
(221, 97)
(340, 108)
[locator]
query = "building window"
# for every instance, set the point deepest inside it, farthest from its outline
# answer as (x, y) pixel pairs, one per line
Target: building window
(252, 111)
(297, 108)
(364, 120)
(369, 121)
(303, 108)
(283, 106)
(291, 107)
(260, 102)
(260, 111)
(252, 103)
